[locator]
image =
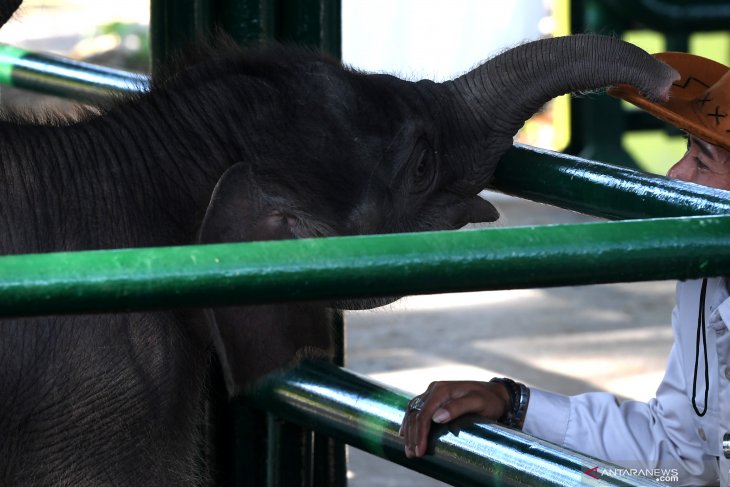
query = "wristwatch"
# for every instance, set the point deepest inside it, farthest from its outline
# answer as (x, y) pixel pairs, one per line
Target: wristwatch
(519, 397)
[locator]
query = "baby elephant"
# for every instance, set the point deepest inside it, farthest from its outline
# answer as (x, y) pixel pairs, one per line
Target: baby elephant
(238, 145)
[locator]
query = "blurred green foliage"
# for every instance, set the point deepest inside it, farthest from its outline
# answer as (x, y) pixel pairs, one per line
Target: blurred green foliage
(134, 43)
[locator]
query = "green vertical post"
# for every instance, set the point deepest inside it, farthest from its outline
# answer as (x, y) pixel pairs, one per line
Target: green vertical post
(245, 446)
(176, 24)
(316, 23)
(677, 41)
(313, 23)
(290, 454)
(247, 21)
(598, 123)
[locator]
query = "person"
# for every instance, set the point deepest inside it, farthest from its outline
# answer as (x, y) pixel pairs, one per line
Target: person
(683, 428)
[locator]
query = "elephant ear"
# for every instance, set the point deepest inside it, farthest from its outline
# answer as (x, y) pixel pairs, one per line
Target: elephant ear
(251, 341)
(240, 211)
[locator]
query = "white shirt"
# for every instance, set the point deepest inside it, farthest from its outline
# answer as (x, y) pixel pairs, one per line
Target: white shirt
(664, 433)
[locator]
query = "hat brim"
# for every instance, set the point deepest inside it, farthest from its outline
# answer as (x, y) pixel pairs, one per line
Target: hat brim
(698, 74)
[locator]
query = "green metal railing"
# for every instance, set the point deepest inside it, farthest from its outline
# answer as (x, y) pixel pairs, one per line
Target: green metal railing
(599, 189)
(177, 24)
(346, 406)
(382, 265)
(571, 182)
(363, 414)
(56, 75)
(673, 15)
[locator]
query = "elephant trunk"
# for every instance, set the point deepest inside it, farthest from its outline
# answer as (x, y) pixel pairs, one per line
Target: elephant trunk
(501, 94)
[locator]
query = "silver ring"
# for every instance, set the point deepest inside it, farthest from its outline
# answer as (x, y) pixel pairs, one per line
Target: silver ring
(416, 404)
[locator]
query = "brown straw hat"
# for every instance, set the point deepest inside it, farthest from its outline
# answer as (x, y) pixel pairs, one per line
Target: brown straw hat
(699, 102)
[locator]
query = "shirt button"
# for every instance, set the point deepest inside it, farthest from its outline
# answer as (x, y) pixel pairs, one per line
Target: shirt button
(701, 432)
(727, 373)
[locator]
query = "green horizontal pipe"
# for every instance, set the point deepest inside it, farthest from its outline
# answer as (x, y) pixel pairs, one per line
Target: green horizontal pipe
(56, 75)
(382, 265)
(351, 408)
(601, 189)
(670, 16)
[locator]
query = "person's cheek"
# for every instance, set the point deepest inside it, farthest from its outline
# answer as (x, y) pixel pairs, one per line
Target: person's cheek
(721, 182)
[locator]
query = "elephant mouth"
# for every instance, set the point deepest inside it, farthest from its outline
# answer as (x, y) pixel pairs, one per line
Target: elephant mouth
(463, 212)
(480, 210)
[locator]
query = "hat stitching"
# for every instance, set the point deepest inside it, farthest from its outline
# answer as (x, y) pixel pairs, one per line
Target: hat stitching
(717, 114)
(704, 100)
(688, 80)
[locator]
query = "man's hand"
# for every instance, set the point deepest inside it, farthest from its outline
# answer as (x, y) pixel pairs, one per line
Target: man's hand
(448, 400)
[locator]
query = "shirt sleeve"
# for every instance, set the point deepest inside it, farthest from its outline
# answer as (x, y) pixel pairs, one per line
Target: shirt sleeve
(632, 434)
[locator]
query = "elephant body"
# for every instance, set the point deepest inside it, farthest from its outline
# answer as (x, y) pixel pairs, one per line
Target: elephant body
(261, 144)
(93, 400)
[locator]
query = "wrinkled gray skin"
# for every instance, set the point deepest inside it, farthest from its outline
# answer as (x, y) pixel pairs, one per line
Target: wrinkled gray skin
(263, 144)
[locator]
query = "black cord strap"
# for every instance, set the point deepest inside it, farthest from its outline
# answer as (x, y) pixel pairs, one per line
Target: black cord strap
(701, 332)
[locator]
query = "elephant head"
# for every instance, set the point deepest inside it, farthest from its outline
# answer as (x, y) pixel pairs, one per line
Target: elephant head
(330, 151)
(337, 152)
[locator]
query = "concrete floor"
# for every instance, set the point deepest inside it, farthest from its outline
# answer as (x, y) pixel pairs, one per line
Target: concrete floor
(613, 338)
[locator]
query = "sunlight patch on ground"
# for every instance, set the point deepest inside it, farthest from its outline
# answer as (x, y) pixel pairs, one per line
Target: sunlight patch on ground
(600, 359)
(584, 342)
(608, 376)
(463, 300)
(415, 381)
(617, 361)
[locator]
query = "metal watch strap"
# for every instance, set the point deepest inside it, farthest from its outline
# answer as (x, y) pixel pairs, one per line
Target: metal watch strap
(519, 398)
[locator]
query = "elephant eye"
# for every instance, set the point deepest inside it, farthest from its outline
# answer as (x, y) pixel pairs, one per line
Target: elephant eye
(424, 173)
(422, 166)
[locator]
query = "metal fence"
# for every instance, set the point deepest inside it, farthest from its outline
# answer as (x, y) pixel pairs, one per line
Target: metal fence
(691, 239)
